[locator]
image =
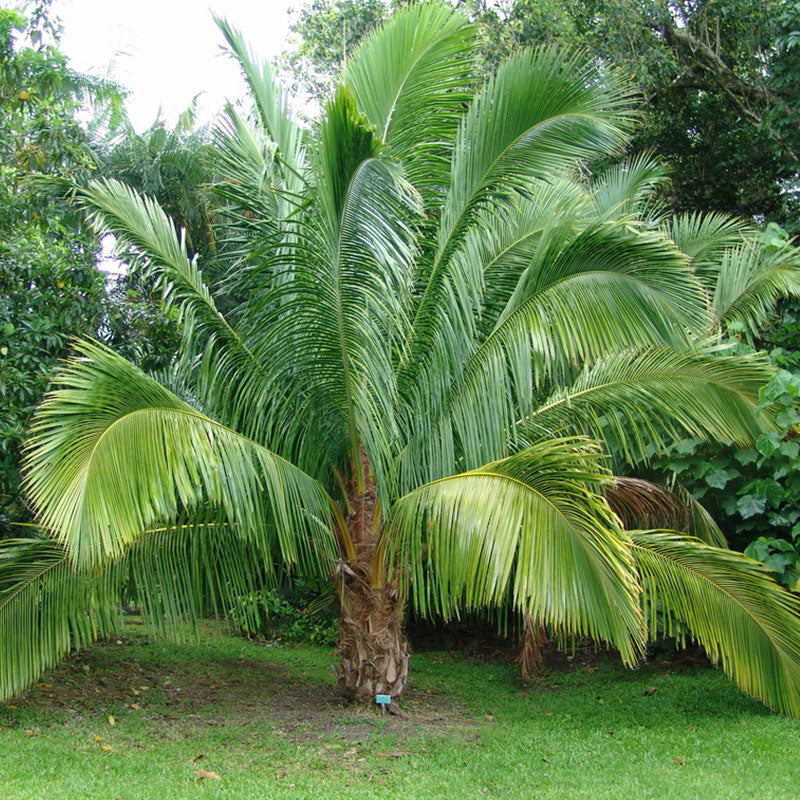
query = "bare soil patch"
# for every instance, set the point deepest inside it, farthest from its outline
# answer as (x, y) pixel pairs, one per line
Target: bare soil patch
(181, 697)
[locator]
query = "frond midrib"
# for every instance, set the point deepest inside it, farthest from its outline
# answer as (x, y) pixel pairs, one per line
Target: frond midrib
(663, 377)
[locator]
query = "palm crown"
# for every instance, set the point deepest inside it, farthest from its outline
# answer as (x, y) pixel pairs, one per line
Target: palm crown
(432, 329)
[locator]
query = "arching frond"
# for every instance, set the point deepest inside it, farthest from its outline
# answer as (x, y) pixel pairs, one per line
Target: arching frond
(541, 112)
(636, 400)
(350, 293)
(180, 572)
(412, 78)
(176, 574)
(749, 284)
(732, 606)
(704, 238)
(47, 608)
(245, 166)
(533, 527)
(627, 189)
(112, 452)
(139, 222)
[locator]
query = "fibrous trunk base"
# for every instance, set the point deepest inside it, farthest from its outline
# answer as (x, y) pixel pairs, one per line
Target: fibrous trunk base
(373, 650)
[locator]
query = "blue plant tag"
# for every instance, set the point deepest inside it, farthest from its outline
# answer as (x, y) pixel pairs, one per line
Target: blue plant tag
(383, 699)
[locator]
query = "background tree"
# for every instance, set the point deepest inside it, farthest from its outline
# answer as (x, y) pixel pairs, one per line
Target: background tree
(50, 288)
(718, 80)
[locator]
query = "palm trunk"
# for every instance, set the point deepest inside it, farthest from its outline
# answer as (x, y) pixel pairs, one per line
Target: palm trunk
(534, 637)
(373, 649)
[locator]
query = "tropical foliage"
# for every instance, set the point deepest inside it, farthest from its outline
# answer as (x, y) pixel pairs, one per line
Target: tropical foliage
(50, 288)
(430, 328)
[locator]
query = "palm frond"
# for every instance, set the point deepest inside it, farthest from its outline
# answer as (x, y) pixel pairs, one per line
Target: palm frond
(627, 189)
(554, 323)
(112, 452)
(534, 527)
(705, 237)
(732, 606)
(637, 400)
(542, 111)
(48, 608)
(245, 165)
(272, 106)
(350, 292)
(181, 572)
(749, 284)
(412, 77)
(175, 574)
(139, 222)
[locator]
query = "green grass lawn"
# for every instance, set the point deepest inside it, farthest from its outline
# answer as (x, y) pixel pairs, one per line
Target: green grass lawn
(134, 720)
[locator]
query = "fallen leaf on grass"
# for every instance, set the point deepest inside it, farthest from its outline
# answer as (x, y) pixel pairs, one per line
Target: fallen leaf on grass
(204, 773)
(106, 748)
(392, 753)
(30, 733)
(651, 691)
(197, 758)
(135, 706)
(112, 721)
(98, 738)
(546, 760)
(678, 760)
(490, 718)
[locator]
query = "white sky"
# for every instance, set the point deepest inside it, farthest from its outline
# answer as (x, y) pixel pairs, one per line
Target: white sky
(167, 51)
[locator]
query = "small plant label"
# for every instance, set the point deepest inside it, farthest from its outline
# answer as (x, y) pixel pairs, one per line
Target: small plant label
(383, 699)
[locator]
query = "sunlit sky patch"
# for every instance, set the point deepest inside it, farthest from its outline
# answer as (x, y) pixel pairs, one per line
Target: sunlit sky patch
(167, 51)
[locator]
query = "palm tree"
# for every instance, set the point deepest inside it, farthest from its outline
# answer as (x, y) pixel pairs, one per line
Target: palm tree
(441, 328)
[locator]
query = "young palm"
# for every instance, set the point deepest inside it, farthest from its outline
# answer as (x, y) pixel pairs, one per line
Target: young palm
(438, 329)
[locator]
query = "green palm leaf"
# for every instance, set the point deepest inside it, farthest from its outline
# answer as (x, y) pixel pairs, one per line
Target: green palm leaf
(704, 238)
(113, 452)
(627, 189)
(139, 222)
(272, 107)
(636, 400)
(412, 78)
(541, 112)
(554, 323)
(47, 608)
(750, 283)
(533, 526)
(732, 606)
(176, 574)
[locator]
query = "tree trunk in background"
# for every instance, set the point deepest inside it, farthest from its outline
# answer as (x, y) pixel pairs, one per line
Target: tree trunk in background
(534, 637)
(373, 649)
